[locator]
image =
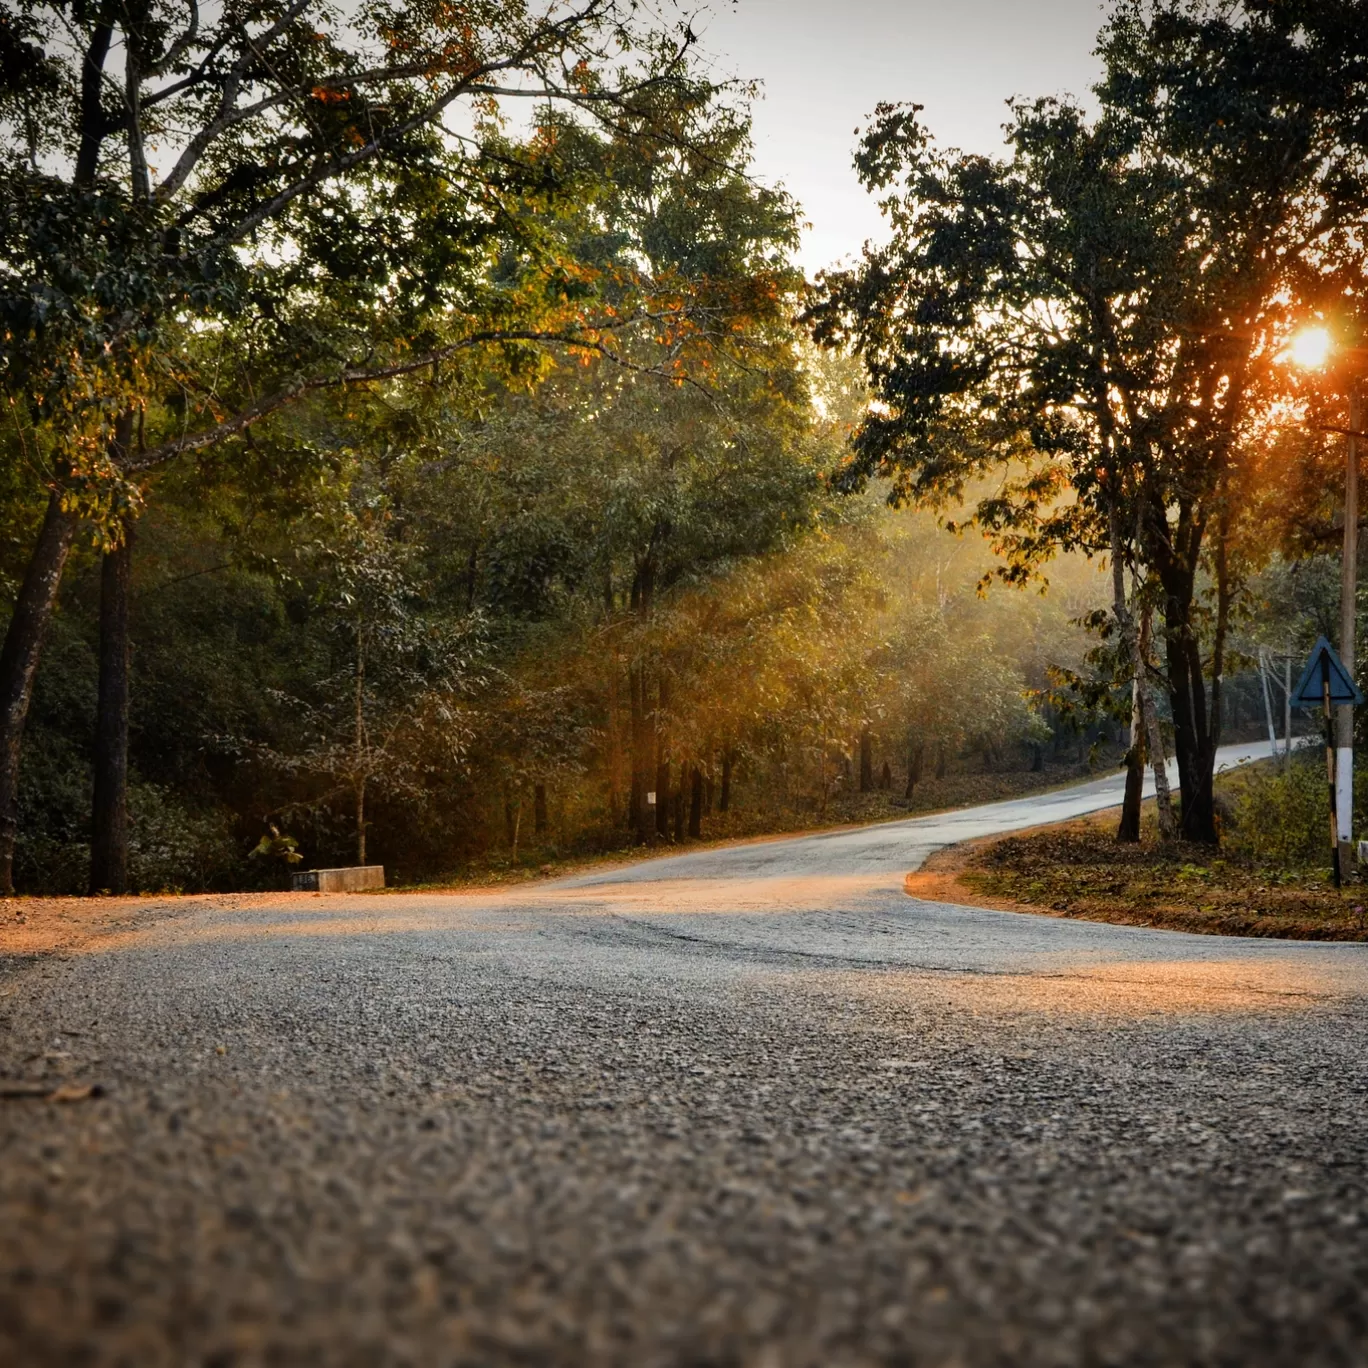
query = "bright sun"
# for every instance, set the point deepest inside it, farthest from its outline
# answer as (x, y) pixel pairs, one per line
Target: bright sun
(1310, 348)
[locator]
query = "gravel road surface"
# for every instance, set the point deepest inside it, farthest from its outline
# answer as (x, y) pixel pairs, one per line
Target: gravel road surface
(749, 1106)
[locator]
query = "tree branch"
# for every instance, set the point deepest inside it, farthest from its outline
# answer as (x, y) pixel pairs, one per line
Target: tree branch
(272, 403)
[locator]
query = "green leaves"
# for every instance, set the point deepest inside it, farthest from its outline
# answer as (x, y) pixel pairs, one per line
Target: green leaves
(275, 846)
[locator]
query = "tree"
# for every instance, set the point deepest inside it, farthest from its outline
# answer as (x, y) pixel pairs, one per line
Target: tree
(1096, 317)
(204, 218)
(386, 701)
(688, 450)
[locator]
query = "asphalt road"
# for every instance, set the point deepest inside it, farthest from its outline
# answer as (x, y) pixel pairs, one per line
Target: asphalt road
(750, 1106)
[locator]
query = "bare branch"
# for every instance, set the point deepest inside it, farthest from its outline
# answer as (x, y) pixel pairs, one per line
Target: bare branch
(181, 46)
(227, 114)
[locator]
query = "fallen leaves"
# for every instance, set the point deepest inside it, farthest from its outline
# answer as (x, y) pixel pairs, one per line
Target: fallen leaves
(76, 1092)
(65, 1092)
(1078, 869)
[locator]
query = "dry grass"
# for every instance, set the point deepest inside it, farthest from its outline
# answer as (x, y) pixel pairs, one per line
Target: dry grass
(1078, 870)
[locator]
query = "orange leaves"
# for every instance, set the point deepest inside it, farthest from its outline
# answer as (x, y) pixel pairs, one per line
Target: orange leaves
(326, 96)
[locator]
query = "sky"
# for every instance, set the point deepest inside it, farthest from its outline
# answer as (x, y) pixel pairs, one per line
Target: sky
(825, 64)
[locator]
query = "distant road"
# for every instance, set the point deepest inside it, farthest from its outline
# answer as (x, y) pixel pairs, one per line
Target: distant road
(892, 849)
(750, 1106)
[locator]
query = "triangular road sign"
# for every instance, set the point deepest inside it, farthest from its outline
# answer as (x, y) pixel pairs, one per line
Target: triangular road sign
(1324, 663)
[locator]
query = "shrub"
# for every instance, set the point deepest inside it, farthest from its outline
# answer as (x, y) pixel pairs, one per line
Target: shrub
(1282, 817)
(172, 848)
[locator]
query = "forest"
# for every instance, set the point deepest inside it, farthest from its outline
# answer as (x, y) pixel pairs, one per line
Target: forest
(422, 448)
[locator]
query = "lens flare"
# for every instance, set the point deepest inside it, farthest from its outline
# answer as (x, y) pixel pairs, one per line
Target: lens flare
(1310, 348)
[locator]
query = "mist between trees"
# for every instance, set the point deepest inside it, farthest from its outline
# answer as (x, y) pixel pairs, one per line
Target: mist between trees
(451, 634)
(471, 592)
(381, 484)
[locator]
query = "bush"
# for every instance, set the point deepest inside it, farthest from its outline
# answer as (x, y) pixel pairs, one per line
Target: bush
(1282, 817)
(172, 848)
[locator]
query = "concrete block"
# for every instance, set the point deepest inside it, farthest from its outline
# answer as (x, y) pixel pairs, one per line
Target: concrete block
(353, 879)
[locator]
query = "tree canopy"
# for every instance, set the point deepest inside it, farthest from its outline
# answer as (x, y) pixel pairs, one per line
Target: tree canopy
(1098, 317)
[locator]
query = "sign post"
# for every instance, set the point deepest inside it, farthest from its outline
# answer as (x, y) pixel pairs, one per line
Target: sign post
(1326, 682)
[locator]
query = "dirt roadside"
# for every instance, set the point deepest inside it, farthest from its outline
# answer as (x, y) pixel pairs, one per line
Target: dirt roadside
(1077, 870)
(31, 927)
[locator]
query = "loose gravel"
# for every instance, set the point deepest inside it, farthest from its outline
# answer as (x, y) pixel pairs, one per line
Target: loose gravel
(666, 1119)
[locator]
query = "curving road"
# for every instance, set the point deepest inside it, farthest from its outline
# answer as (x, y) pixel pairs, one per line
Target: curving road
(747, 1106)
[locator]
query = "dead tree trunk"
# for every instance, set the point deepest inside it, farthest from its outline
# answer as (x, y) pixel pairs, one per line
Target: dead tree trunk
(19, 664)
(109, 814)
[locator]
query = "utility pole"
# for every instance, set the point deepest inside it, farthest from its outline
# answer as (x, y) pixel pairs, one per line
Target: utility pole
(1267, 701)
(1344, 722)
(1287, 708)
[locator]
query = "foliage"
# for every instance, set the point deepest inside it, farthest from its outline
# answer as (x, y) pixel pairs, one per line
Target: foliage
(173, 847)
(382, 709)
(1282, 817)
(238, 208)
(1098, 317)
(422, 587)
(274, 845)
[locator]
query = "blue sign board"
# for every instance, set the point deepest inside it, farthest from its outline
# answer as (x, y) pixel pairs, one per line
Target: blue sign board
(1325, 666)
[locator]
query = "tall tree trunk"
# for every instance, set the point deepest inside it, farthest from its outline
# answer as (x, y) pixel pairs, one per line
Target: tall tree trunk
(866, 760)
(644, 716)
(614, 742)
(662, 793)
(677, 807)
(724, 798)
(359, 742)
(109, 815)
(1145, 733)
(539, 810)
(1188, 699)
(1128, 830)
(19, 664)
(915, 755)
(696, 803)
(662, 772)
(1154, 736)
(639, 815)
